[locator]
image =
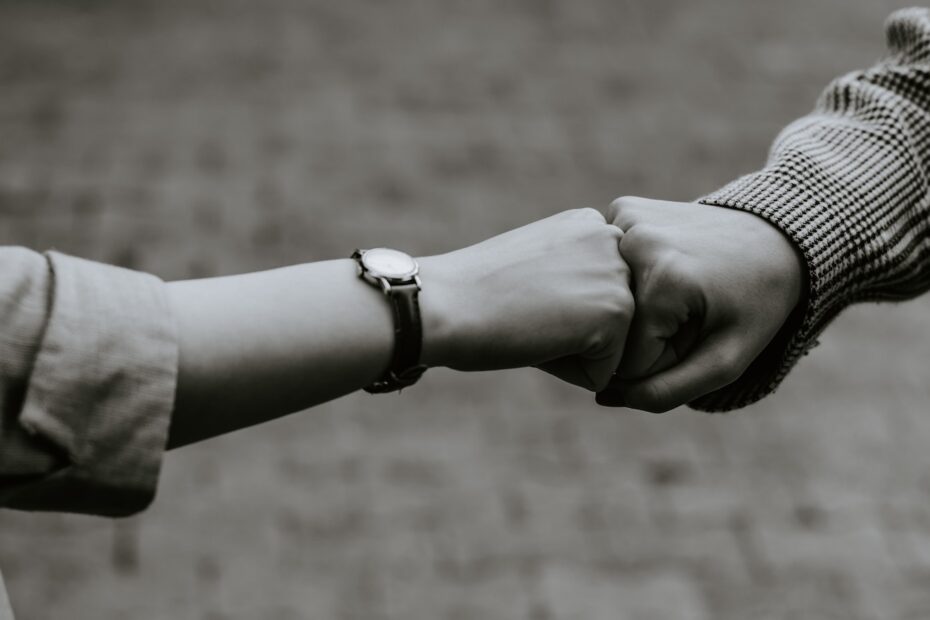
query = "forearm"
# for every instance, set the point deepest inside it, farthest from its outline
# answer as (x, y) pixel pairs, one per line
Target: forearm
(253, 347)
(257, 346)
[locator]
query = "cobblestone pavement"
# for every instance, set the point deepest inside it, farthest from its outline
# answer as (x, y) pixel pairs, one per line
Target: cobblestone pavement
(197, 138)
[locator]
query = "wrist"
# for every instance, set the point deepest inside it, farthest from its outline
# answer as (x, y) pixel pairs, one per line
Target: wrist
(784, 255)
(438, 306)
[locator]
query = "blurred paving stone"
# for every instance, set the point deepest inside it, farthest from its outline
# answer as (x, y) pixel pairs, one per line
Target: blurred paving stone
(572, 593)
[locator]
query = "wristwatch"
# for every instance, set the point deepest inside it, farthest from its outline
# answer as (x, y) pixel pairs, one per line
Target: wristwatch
(396, 274)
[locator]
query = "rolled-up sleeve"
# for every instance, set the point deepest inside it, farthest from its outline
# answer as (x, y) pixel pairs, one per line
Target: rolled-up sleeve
(88, 369)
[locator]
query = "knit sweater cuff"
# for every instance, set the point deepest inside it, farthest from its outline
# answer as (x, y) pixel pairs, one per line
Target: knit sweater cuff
(792, 209)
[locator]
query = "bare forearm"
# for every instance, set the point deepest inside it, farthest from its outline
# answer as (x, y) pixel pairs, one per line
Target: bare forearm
(257, 346)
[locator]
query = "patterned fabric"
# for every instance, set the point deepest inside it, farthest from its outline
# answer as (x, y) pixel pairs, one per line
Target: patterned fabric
(88, 364)
(848, 184)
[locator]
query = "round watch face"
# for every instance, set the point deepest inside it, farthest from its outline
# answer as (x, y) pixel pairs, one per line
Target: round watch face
(388, 263)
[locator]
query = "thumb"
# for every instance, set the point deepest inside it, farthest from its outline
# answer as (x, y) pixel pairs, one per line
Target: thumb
(713, 364)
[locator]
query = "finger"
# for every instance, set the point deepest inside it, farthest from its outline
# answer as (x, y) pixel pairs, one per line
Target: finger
(592, 372)
(647, 343)
(715, 363)
(569, 369)
(602, 369)
(675, 348)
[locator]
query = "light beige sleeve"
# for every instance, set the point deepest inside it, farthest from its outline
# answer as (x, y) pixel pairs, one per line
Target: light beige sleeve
(87, 381)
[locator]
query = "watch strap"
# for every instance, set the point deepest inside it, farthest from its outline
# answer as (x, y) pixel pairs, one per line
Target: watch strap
(408, 330)
(405, 368)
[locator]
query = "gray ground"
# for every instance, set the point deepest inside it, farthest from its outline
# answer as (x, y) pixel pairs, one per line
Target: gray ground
(194, 138)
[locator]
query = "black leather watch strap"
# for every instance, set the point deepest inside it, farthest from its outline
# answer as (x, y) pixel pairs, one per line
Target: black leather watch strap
(405, 366)
(408, 330)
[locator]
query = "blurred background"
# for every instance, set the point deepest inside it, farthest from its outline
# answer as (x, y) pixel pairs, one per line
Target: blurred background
(197, 138)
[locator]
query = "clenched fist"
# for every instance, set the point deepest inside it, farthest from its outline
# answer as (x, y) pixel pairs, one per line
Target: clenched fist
(553, 294)
(712, 288)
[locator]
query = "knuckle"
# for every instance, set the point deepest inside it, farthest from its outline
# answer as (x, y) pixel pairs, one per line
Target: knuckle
(668, 270)
(620, 207)
(725, 366)
(601, 338)
(608, 237)
(624, 304)
(622, 202)
(588, 213)
(642, 239)
(601, 240)
(609, 336)
(628, 245)
(613, 310)
(662, 279)
(732, 372)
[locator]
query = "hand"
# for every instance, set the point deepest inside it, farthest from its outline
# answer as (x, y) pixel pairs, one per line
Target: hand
(553, 294)
(712, 286)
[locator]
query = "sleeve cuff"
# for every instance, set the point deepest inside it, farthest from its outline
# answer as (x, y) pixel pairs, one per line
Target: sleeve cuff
(102, 389)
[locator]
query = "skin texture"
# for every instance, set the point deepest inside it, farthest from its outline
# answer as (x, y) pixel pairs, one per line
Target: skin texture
(256, 346)
(712, 286)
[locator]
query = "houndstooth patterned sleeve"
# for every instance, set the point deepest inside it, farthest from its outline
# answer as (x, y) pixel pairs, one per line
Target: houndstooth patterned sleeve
(848, 184)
